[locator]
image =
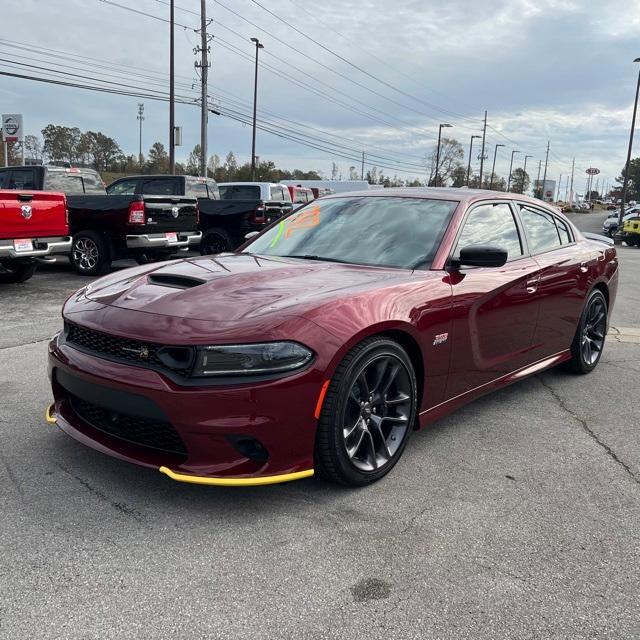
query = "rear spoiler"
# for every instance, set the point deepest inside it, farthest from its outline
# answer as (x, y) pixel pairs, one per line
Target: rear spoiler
(598, 237)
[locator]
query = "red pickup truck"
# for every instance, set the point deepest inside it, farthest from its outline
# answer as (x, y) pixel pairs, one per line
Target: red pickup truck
(32, 225)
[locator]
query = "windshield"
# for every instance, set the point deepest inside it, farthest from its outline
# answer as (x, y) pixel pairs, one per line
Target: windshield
(239, 192)
(378, 231)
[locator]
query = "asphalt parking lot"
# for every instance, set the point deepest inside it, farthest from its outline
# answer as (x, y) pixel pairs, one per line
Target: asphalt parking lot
(516, 517)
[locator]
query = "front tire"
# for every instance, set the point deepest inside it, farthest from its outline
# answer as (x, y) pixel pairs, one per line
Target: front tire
(90, 254)
(587, 345)
(368, 413)
(14, 271)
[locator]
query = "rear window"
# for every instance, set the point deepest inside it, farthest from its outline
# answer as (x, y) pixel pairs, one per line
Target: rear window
(239, 192)
(161, 187)
(69, 183)
(196, 189)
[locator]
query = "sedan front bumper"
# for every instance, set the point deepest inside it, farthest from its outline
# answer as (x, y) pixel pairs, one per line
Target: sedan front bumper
(161, 241)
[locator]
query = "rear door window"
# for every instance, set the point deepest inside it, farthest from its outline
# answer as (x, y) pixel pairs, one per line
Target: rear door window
(22, 179)
(93, 183)
(196, 189)
(276, 194)
(122, 188)
(69, 183)
(540, 228)
(160, 187)
(492, 225)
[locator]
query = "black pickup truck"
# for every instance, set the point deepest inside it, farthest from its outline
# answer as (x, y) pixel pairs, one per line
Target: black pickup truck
(111, 227)
(226, 215)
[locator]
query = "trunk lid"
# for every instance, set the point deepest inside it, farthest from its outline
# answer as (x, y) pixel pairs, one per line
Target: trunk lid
(168, 213)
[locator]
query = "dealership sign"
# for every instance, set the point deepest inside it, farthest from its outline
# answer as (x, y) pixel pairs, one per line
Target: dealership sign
(592, 171)
(12, 127)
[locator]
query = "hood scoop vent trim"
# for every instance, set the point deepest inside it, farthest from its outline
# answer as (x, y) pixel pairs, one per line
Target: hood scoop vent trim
(174, 281)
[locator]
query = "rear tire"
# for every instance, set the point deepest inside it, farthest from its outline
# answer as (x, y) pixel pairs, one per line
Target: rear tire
(588, 343)
(367, 415)
(215, 240)
(90, 254)
(15, 271)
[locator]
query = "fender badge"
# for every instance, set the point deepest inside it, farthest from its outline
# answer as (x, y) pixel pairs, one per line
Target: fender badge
(440, 338)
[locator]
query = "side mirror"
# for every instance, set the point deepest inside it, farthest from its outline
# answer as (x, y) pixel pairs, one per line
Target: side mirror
(478, 255)
(251, 234)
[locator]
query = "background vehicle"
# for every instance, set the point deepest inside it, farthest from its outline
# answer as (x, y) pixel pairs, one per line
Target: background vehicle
(631, 231)
(146, 228)
(610, 224)
(320, 192)
(110, 227)
(320, 348)
(300, 195)
(32, 225)
(68, 180)
(166, 185)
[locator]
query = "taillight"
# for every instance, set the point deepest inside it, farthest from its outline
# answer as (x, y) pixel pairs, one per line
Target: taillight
(258, 214)
(136, 213)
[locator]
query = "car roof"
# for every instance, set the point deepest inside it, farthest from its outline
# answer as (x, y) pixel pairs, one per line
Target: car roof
(455, 194)
(250, 184)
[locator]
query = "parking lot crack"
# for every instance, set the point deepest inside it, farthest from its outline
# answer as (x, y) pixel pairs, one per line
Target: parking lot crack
(589, 431)
(25, 344)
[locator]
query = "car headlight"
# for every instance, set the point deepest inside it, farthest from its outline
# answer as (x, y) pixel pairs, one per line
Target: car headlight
(250, 359)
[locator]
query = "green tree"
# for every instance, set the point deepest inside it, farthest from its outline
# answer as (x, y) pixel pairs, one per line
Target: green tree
(459, 176)
(519, 180)
(61, 144)
(98, 149)
(33, 147)
(230, 166)
(633, 185)
(193, 161)
(157, 159)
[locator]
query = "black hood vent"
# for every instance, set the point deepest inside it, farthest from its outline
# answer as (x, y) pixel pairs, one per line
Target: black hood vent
(175, 281)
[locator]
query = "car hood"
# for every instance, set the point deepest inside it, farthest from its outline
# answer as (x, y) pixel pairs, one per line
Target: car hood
(232, 287)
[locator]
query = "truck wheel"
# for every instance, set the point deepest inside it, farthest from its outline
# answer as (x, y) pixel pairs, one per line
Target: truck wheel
(90, 254)
(215, 240)
(17, 271)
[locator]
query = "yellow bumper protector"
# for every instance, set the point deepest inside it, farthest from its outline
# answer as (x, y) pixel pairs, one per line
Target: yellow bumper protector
(49, 415)
(236, 482)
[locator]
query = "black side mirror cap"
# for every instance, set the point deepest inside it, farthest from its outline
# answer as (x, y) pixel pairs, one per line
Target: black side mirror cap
(481, 256)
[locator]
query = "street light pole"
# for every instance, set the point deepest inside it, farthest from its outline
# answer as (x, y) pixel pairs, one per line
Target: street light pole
(546, 164)
(435, 180)
(140, 118)
(172, 123)
(493, 167)
(470, 152)
(625, 182)
(484, 139)
(513, 152)
(255, 103)
(524, 171)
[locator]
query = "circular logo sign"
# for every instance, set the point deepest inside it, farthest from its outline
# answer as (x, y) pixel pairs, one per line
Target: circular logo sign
(592, 171)
(11, 126)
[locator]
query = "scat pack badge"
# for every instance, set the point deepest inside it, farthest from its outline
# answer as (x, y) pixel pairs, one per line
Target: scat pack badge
(440, 338)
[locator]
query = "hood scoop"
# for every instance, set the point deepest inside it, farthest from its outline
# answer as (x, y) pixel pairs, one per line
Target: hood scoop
(174, 281)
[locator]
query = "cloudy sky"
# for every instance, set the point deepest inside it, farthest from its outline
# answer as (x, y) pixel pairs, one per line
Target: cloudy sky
(374, 75)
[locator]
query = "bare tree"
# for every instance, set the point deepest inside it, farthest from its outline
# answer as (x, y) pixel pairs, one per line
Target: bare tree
(451, 157)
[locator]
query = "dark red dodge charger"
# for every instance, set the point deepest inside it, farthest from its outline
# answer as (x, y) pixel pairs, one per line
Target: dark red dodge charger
(322, 343)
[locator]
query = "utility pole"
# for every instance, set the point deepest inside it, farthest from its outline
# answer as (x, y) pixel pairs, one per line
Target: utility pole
(255, 106)
(513, 152)
(625, 181)
(538, 179)
(524, 170)
(484, 137)
(546, 164)
(573, 166)
(557, 194)
(493, 168)
(203, 49)
(140, 117)
(362, 168)
(172, 123)
(470, 152)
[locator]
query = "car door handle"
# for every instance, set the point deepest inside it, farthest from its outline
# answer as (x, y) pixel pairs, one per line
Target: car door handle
(532, 284)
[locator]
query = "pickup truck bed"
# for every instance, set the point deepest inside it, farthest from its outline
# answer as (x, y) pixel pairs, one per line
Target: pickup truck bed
(32, 225)
(146, 228)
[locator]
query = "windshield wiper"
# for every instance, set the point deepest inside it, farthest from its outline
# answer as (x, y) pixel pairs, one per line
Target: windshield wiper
(306, 256)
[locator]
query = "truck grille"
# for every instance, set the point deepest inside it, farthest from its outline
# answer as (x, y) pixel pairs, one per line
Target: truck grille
(144, 354)
(154, 434)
